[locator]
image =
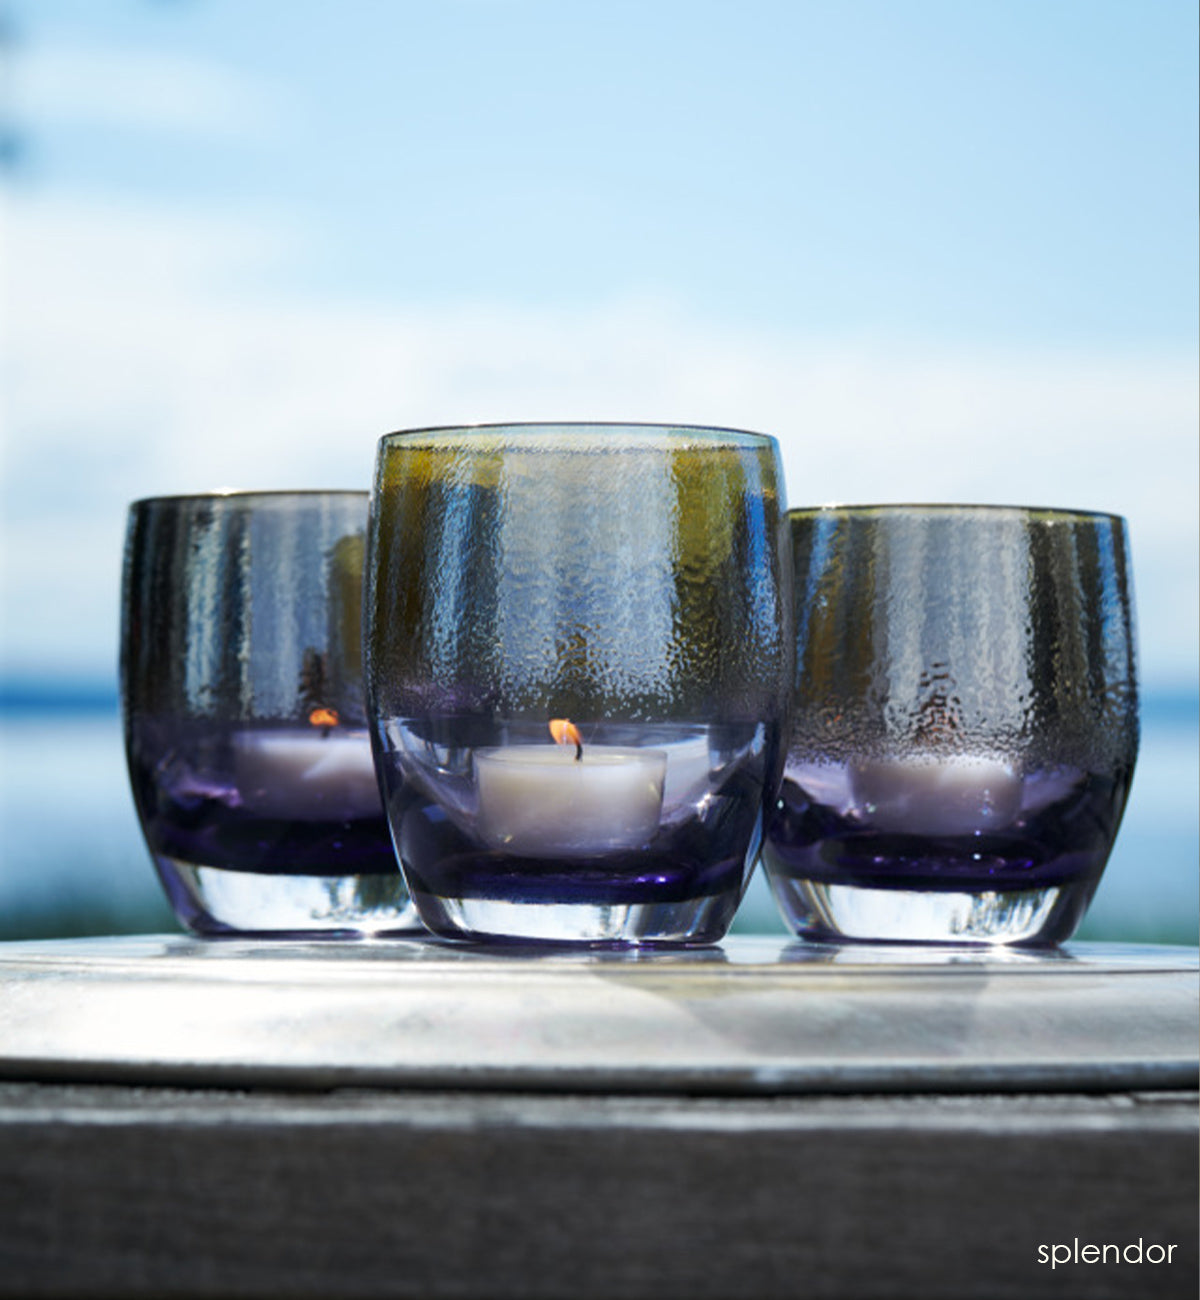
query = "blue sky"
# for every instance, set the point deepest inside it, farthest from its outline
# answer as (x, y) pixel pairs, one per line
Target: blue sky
(942, 250)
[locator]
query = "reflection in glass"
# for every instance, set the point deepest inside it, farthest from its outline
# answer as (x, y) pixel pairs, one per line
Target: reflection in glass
(245, 724)
(622, 582)
(964, 722)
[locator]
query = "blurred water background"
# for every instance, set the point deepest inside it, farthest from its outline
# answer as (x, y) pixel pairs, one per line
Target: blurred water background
(943, 251)
(72, 860)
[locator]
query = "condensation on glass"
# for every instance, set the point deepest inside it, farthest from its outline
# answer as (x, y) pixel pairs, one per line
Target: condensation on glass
(963, 722)
(622, 579)
(244, 714)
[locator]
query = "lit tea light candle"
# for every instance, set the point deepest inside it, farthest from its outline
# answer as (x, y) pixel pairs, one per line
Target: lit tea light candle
(314, 774)
(954, 795)
(542, 801)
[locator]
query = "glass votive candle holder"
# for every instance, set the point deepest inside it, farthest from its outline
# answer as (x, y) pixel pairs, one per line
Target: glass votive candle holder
(963, 722)
(244, 714)
(576, 670)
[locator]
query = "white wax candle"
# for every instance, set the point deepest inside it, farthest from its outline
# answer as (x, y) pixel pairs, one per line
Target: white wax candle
(953, 795)
(307, 775)
(540, 801)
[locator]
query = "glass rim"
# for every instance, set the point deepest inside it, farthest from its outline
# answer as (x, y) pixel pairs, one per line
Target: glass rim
(716, 433)
(934, 509)
(240, 495)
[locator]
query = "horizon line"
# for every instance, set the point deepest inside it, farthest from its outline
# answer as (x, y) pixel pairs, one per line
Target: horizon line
(63, 692)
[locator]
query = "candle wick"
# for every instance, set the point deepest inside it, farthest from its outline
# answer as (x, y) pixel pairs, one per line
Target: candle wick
(567, 733)
(325, 719)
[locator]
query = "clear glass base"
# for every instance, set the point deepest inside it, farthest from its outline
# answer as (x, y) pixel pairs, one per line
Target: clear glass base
(695, 921)
(216, 901)
(817, 910)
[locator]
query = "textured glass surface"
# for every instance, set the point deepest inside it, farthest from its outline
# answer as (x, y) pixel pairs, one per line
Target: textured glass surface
(626, 578)
(244, 713)
(963, 722)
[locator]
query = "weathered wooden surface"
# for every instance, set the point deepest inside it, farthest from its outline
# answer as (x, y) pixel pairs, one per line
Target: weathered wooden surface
(767, 1121)
(152, 1192)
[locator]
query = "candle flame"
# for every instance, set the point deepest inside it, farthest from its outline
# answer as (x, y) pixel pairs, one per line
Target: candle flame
(323, 718)
(567, 733)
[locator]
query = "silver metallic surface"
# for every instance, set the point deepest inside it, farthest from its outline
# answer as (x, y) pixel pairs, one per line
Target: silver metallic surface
(758, 1016)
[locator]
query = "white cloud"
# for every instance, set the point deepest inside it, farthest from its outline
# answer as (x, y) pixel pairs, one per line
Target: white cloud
(138, 366)
(144, 90)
